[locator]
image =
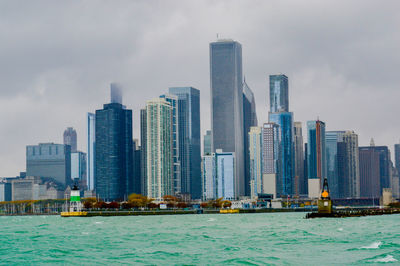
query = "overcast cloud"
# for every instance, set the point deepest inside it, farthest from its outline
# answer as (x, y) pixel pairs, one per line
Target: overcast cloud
(57, 59)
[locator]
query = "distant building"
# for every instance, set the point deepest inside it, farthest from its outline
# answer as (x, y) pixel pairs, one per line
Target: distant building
(70, 138)
(278, 93)
(173, 101)
(5, 191)
(352, 174)
(143, 151)
(189, 138)
(207, 143)
(397, 156)
(114, 153)
(249, 120)
(22, 189)
(369, 173)
(316, 157)
(227, 104)
(78, 168)
(49, 160)
(209, 182)
(137, 174)
(91, 147)
(384, 164)
(285, 177)
(271, 154)
(332, 140)
(255, 152)
(160, 157)
(300, 180)
(225, 174)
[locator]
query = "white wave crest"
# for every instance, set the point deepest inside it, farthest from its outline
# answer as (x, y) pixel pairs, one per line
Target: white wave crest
(374, 245)
(388, 258)
(340, 229)
(211, 220)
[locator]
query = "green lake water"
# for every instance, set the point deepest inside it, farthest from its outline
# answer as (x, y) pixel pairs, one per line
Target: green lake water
(231, 239)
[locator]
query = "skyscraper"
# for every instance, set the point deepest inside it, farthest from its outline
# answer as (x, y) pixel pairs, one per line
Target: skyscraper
(159, 141)
(249, 120)
(189, 139)
(143, 151)
(332, 138)
(279, 93)
(271, 154)
(49, 160)
(91, 139)
(384, 164)
(397, 156)
(255, 152)
(114, 152)
(207, 143)
(316, 154)
(300, 180)
(352, 180)
(369, 173)
(70, 138)
(285, 178)
(176, 140)
(226, 80)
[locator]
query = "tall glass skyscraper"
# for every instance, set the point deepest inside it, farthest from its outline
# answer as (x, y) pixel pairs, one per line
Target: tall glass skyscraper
(189, 139)
(249, 120)
(159, 141)
(285, 179)
(316, 157)
(114, 152)
(226, 80)
(91, 140)
(225, 174)
(332, 138)
(278, 93)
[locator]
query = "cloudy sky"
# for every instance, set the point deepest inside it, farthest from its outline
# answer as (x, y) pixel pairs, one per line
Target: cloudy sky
(57, 59)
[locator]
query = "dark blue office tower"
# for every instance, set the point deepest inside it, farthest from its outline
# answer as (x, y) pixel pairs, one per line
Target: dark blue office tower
(114, 152)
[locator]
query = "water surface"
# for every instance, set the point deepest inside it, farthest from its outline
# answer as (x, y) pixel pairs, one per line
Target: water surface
(231, 239)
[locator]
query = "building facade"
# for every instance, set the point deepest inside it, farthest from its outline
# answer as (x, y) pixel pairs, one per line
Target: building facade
(91, 145)
(332, 140)
(49, 160)
(225, 175)
(209, 182)
(352, 176)
(159, 141)
(271, 154)
(369, 173)
(255, 154)
(226, 80)
(249, 120)
(285, 178)
(143, 151)
(176, 152)
(189, 139)
(316, 157)
(300, 182)
(70, 138)
(78, 168)
(114, 153)
(207, 143)
(279, 93)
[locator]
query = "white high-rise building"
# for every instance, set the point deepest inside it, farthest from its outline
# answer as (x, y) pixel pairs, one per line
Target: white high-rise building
(159, 159)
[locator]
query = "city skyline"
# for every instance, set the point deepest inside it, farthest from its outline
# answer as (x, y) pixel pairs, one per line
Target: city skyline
(328, 74)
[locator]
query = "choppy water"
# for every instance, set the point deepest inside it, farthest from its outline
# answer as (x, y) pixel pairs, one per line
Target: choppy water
(254, 239)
